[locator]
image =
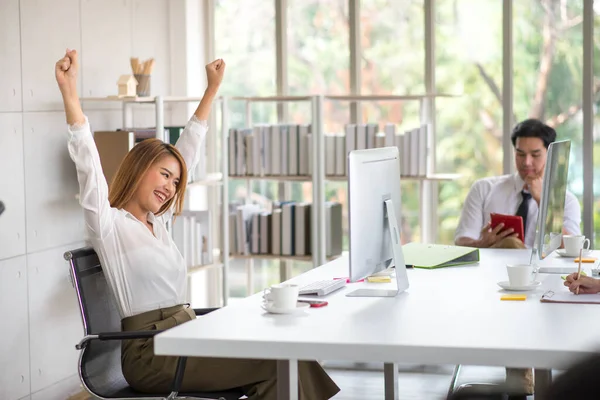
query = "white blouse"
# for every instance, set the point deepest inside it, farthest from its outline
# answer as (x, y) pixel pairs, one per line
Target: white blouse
(144, 271)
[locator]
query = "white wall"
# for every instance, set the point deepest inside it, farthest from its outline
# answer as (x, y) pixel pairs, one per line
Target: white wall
(40, 320)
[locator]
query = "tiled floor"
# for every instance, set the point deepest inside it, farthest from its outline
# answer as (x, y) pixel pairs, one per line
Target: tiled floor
(415, 382)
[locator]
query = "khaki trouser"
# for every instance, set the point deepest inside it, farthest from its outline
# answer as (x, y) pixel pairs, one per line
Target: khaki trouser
(517, 379)
(146, 372)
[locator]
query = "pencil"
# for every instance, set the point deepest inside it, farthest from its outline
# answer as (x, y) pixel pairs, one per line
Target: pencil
(579, 268)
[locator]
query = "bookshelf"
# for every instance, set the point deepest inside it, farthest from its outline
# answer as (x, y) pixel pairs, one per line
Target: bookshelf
(318, 240)
(318, 178)
(428, 181)
(214, 184)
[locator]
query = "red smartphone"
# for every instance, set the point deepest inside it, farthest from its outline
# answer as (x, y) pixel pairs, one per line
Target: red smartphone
(510, 221)
(314, 303)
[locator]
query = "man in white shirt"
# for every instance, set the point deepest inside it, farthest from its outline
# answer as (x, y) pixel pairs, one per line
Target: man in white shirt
(516, 194)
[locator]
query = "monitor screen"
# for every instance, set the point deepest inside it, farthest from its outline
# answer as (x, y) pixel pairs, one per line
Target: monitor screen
(552, 203)
(374, 209)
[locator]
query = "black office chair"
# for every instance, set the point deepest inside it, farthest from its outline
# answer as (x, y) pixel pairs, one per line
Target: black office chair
(100, 358)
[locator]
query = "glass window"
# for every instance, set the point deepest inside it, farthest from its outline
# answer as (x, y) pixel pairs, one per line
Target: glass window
(248, 48)
(468, 50)
(392, 62)
(319, 63)
(548, 68)
(596, 132)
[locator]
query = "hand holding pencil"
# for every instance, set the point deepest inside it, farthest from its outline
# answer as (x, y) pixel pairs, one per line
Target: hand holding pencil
(579, 284)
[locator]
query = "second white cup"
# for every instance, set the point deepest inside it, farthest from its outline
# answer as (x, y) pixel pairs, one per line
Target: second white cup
(574, 243)
(520, 274)
(283, 295)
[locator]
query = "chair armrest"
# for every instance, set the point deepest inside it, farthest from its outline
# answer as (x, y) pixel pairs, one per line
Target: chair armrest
(204, 311)
(117, 336)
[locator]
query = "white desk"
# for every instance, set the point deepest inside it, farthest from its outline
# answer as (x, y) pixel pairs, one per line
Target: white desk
(447, 316)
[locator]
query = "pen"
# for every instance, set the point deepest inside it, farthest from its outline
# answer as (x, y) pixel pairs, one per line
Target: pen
(579, 269)
(348, 279)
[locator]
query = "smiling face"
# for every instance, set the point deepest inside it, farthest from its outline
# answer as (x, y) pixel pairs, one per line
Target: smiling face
(159, 184)
(530, 156)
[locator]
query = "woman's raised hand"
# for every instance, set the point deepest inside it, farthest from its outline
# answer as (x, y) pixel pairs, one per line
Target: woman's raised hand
(214, 74)
(66, 73)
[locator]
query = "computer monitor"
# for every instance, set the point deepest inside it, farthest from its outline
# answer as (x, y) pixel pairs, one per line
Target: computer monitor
(374, 209)
(548, 231)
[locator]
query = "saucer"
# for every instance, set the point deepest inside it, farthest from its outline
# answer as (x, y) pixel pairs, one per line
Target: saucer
(561, 252)
(267, 306)
(506, 286)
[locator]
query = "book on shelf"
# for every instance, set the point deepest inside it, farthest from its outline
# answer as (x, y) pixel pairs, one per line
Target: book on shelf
(340, 154)
(284, 231)
(361, 137)
(232, 152)
(276, 232)
(333, 224)
(371, 133)
(249, 154)
(191, 235)
(265, 232)
(288, 229)
(379, 140)
(293, 150)
(303, 149)
(285, 148)
(329, 154)
(275, 150)
(302, 227)
(390, 135)
(350, 130)
(244, 225)
(255, 236)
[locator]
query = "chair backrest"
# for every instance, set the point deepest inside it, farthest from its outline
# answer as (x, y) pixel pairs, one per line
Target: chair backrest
(100, 361)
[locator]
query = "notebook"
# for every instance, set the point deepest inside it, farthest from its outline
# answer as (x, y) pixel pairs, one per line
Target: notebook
(423, 255)
(568, 297)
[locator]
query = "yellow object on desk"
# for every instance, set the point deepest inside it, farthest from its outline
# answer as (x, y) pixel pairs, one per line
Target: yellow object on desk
(586, 260)
(379, 279)
(514, 297)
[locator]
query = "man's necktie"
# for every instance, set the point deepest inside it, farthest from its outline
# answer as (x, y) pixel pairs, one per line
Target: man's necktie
(524, 209)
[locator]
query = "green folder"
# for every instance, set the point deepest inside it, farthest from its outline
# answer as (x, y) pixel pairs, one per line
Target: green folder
(429, 256)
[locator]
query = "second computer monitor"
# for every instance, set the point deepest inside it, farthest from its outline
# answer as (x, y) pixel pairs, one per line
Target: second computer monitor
(374, 212)
(549, 226)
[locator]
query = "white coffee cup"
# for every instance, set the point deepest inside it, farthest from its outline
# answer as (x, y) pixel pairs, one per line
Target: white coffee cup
(520, 274)
(282, 295)
(574, 243)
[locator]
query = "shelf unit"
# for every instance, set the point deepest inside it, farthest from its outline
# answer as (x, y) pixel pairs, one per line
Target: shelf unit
(318, 244)
(319, 178)
(426, 183)
(214, 180)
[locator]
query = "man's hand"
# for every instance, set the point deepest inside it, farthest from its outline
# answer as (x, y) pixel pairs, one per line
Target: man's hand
(214, 74)
(534, 186)
(490, 237)
(65, 71)
(585, 284)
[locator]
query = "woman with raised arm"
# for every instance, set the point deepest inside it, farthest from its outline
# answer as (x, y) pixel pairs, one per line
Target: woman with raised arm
(143, 267)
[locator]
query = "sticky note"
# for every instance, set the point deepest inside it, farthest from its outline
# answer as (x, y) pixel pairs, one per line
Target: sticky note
(514, 297)
(379, 279)
(564, 277)
(586, 259)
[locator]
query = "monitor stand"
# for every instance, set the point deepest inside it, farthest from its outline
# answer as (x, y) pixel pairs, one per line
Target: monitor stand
(398, 259)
